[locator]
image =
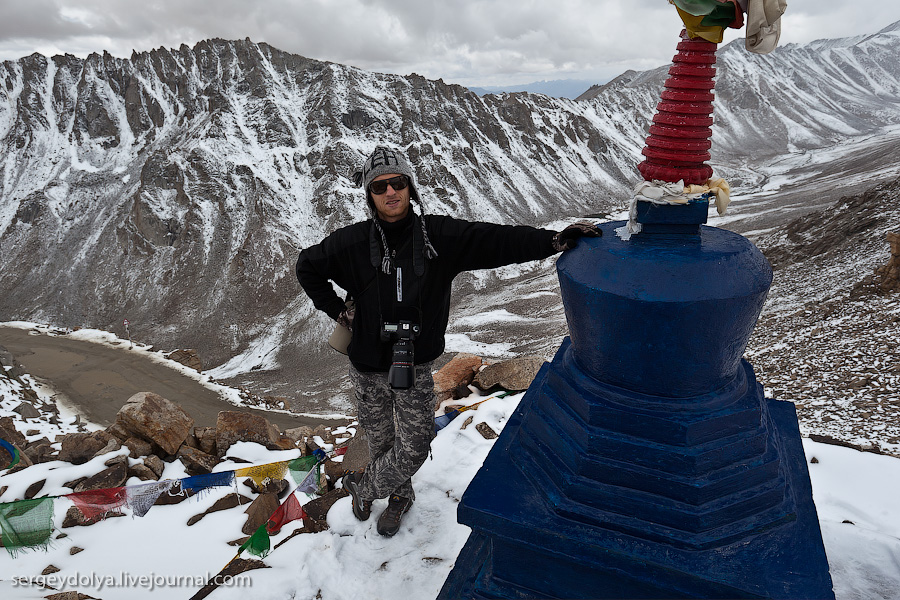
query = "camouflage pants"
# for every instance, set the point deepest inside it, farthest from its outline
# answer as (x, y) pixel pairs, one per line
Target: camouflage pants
(399, 425)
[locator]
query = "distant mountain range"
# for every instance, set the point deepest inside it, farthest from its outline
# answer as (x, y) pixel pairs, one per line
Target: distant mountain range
(175, 188)
(558, 88)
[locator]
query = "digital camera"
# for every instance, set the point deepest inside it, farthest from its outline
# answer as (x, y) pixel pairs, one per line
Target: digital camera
(402, 372)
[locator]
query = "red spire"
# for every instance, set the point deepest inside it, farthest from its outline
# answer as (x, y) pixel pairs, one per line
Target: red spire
(679, 139)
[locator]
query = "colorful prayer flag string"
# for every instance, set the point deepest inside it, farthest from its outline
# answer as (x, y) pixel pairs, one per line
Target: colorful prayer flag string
(13, 454)
(97, 504)
(26, 524)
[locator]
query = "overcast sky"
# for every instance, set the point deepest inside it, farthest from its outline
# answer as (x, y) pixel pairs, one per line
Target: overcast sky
(470, 42)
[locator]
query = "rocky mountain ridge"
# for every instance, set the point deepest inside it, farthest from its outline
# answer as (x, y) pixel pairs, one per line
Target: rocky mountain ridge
(174, 188)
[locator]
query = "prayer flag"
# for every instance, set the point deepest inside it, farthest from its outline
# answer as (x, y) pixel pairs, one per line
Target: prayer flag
(310, 484)
(289, 510)
(13, 454)
(260, 473)
(140, 498)
(257, 544)
(98, 503)
(26, 524)
(199, 483)
(299, 467)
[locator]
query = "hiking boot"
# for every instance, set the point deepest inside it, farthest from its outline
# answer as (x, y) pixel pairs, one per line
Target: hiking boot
(361, 508)
(389, 521)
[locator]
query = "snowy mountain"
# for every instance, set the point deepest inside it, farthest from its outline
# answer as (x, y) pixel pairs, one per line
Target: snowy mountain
(175, 188)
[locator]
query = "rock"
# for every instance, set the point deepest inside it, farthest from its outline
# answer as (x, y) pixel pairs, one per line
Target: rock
(27, 411)
(515, 374)
(142, 472)
(461, 391)
(235, 567)
(235, 426)
(271, 486)
(138, 447)
(206, 438)
(317, 510)
(324, 432)
(9, 433)
(156, 464)
(259, 512)
(111, 477)
(226, 503)
(75, 550)
(32, 432)
(299, 434)
(486, 432)
(467, 422)
(74, 518)
(24, 461)
(118, 432)
(459, 371)
(191, 441)
(155, 419)
(333, 470)
(34, 488)
(188, 358)
(40, 451)
(196, 462)
(357, 456)
(50, 569)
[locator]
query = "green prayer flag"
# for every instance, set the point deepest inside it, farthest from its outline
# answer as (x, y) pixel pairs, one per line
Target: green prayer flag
(299, 467)
(722, 16)
(697, 7)
(26, 524)
(257, 544)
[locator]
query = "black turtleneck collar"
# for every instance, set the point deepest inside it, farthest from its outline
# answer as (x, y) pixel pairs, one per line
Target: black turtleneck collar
(393, 230)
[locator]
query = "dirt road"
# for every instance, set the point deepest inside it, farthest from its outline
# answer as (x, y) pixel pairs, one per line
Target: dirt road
(96, 380)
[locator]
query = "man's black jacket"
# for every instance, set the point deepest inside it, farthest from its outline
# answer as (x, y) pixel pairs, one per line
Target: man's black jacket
(347, 258)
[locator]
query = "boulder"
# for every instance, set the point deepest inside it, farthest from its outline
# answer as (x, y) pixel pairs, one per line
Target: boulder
(155, 419)
(225, 503)
(138, 447)
(78, 448)
(486, 432)
(110, 477)
(9, 433)
(196, 462)
(459, 371)
(74, 518)
(324, 432)
(270, 486)
(40, 451)
(156, 464)
(206, 438)
(235, 426)
(299, 434)
(34, 488)
(142, 472)
(317, 510)
(188, 358)
(259, 512)
(27, 411)
(515, 374)
(357, 456)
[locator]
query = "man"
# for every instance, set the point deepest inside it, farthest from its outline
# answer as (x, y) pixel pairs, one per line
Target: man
(398, 268)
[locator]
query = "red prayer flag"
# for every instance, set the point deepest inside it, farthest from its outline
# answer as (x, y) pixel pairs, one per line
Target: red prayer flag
(97, 503)
(290, 510)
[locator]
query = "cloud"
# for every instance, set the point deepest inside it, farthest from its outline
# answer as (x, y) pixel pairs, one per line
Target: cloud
(466, 41)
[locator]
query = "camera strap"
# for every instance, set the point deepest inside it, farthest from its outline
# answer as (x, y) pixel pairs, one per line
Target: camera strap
(418, 256)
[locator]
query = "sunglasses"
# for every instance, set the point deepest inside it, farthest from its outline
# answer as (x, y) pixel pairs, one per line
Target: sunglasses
(398, 183)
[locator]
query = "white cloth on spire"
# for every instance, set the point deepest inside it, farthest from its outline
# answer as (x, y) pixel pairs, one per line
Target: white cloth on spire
(764, 24)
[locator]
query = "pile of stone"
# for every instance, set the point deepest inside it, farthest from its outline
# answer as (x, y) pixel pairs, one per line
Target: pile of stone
(156, 431)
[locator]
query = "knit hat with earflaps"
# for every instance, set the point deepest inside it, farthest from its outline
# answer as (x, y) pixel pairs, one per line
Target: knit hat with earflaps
(384, 161)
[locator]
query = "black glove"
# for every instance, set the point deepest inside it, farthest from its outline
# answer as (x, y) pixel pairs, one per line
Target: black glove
(568, 237)
(345, 319)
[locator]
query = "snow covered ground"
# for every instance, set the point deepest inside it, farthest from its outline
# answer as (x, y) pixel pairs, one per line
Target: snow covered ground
(159, 555)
